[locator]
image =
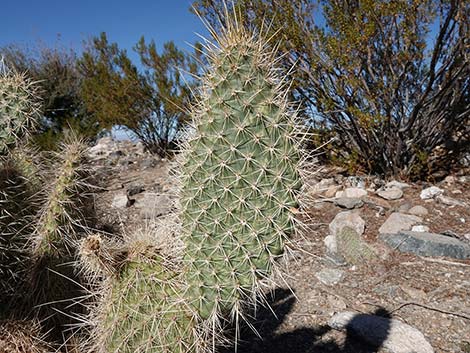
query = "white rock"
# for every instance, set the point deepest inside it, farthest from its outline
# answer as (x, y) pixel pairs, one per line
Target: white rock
(331, 244)
(418, 210)
(397, 184)
(393, 193)
(352, 192)
(397, 222)
(430, 193)
(450, 179)
(330, 276)
(391, 334)
(420, 228)
(347, 219)
(449, 201)
(120, 201)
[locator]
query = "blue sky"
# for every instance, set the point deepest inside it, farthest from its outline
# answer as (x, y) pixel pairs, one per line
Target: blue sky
(26, 21)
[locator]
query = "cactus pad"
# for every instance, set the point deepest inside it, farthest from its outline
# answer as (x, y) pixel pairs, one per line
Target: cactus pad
(240, 175)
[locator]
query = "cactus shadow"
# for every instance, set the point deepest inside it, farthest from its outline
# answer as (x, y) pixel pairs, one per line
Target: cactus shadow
(306, 339)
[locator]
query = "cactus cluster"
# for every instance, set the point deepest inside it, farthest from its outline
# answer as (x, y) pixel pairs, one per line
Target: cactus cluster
(40, 217)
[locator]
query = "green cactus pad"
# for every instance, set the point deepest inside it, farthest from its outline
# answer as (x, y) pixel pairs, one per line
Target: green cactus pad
(240, 178)
(143, 312)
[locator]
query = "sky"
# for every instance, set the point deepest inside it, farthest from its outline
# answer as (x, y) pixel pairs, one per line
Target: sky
(68, 23)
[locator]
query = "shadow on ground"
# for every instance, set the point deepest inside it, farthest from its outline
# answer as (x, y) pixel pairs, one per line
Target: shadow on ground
(301, 340)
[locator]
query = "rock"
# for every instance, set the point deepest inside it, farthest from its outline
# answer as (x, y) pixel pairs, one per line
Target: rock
(391, 334)
(427, 244)
(331, 244)
(420, 228)
(450, 179)
(121, 201)
(348, 202)
(397, 222)
(397, 184)
(404, 207)
(323, 186)
(418, 211)
(449, 201)
(330, 276)
(148, 163)
(332, 190)
(352, 192)
(352, 247)
(347, 219)
(430, 193)
(356, 182)
(377, 201)
(154, 205)
(393, 193)
(135, 189)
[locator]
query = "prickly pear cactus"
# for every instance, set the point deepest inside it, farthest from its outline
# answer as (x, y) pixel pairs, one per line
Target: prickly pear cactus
(19, 106)
(240, 175)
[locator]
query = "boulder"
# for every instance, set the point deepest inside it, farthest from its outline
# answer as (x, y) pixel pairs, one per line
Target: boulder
(397, 222)
(391, 334)
(427, 244)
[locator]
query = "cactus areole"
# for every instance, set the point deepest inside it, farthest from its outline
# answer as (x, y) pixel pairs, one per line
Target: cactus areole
(240, 175)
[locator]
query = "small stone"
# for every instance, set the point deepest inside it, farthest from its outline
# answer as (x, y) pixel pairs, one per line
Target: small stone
(352, 192)
(323, 186)
(332, 190)
(347, 219)
(456, 192)
(420, 228)
(397, 222)
(331, 244)
(418, 210)
(134, 189)
(393, 193)
(397, 184)
(430, 193)
(449, 201)
(427, 244)
(330, 276)
(348, 202)
(121, 201)
(391, 334)
(450, 179)
(404, 207)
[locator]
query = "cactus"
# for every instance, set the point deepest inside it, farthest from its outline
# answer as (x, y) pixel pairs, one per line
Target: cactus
(52, 282)
(240, 182)
(22, 337)
(19, 107)
(240, 176)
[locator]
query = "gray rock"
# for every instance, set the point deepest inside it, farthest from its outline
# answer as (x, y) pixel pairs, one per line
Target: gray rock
(404, 207)
(154, 205)
(418, 210)
(352, 192)
(135, 189)
(420, 228)
(356, 181)
(322, 186)
(347, 219)
(331, 244)
(330, 276)
(397, 184)
(427, 244)
(397, 222)
(120, 201)
(348, 202)
(449, 201)
(430, 193)
(391, 334)
(393, 193)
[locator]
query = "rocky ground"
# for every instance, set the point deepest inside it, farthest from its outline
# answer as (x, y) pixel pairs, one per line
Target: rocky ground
(356, 256)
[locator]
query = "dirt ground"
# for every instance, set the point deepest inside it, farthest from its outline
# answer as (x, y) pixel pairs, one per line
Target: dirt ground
(432, 295)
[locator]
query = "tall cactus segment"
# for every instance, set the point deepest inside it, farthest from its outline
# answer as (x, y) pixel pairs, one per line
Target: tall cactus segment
(240, 176)
(19, 106)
